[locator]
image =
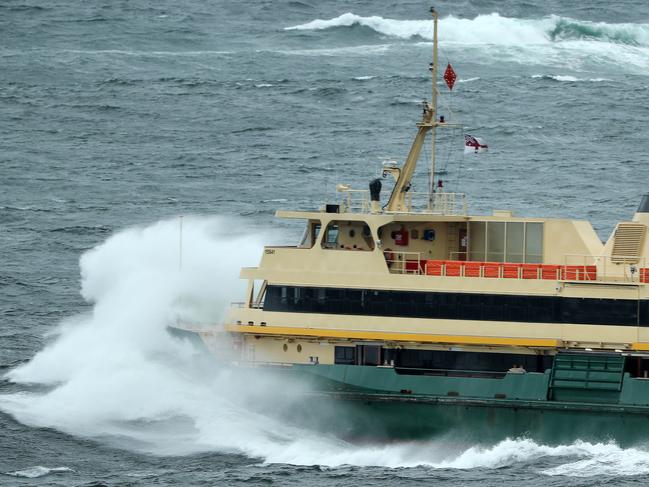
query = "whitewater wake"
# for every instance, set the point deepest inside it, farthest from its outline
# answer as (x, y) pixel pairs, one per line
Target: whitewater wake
(116, 375)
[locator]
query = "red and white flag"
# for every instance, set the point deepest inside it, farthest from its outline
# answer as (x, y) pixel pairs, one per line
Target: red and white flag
(449, 76)
(474, 144)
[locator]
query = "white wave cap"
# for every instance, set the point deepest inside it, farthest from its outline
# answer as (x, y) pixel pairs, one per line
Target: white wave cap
(493, 29)
(38, 471)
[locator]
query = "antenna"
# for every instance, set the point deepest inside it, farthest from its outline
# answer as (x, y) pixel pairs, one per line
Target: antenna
(433, 132)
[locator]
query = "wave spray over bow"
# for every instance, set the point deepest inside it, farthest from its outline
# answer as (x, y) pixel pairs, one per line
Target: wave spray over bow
(115, 374)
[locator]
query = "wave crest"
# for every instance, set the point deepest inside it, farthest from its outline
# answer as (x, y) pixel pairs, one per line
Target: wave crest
(492, 29)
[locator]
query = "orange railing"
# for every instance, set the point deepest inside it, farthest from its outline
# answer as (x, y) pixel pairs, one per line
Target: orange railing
(509, 270)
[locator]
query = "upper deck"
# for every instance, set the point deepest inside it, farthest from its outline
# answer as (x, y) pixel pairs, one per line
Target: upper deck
(438, 245)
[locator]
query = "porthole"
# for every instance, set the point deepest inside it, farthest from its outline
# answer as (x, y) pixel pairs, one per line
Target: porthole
(285, 347)
(352, 233)
(299, 348)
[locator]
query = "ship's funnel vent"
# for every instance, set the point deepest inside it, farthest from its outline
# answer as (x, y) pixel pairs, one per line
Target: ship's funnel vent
(375, 190)
(627, 243)
(644, 204)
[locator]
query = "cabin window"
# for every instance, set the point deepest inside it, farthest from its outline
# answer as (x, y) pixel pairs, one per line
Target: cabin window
(311, 233)
(348, 235)
(331, 236)
(321, 295)
(438, 362)
(478, 241)
(345, 355)
(515, 232)
(457, 306)
(368, 355)
(496, 241)
(534, 242)
(506, 242)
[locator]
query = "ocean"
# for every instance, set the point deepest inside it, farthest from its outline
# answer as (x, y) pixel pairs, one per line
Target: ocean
(145, 149)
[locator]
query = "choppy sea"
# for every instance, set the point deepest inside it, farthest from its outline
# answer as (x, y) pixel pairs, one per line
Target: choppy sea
(123, 122)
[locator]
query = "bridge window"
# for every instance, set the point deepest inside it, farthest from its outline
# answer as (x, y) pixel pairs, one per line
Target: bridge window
(534, 242)
(515, 243)
(348, 235)
(496, 241)
(506, 242)
(311, 233)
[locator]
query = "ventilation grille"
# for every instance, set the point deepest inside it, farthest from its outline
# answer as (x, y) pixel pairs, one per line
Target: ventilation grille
(627, 243)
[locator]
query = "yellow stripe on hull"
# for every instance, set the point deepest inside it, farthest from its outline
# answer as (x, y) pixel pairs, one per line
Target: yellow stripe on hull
(391, 336)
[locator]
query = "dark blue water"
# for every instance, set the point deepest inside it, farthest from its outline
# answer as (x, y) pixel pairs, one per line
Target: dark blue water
(122, 114)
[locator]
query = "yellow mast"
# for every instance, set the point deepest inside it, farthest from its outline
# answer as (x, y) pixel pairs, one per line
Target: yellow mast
(428, 122)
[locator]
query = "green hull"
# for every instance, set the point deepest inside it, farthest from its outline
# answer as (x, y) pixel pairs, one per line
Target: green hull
(585, 397)
(378, 403)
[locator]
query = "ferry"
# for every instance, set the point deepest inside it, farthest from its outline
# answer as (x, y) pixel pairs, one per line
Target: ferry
(421, 319)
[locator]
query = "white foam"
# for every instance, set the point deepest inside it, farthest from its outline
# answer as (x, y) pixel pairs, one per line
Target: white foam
(364, 78)
(491, 29)
(605, 460)
(38, 471)
(362, 50)
(552, 40)
(565, 78)
(468, 80)
(118, 364)
(568, 78)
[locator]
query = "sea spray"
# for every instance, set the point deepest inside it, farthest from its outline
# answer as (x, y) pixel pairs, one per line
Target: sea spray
(115, 373)
(114, 370)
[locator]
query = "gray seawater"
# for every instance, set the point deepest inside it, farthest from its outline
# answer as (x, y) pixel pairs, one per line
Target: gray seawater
(123, 114)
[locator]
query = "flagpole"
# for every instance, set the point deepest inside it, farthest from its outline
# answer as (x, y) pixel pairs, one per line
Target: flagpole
(434, 105)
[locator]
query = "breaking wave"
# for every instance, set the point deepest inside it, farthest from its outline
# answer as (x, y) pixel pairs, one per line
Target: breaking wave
(492, 29)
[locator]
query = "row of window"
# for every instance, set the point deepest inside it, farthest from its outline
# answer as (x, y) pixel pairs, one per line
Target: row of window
(506, 241)
(440, 360)
(457, 306)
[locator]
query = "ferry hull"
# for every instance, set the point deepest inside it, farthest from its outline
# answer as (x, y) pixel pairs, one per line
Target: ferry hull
(359, 411)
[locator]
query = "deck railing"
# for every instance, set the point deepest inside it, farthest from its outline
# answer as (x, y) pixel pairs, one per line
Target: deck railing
(450, 204)
(589, 268)
(404, 262)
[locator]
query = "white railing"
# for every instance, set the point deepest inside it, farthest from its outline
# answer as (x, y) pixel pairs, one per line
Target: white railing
(354, 200)
(625, 269)
(404, 262)
(358, 200)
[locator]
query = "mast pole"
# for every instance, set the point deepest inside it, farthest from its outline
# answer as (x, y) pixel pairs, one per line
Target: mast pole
(433, 131)
(397, 201)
